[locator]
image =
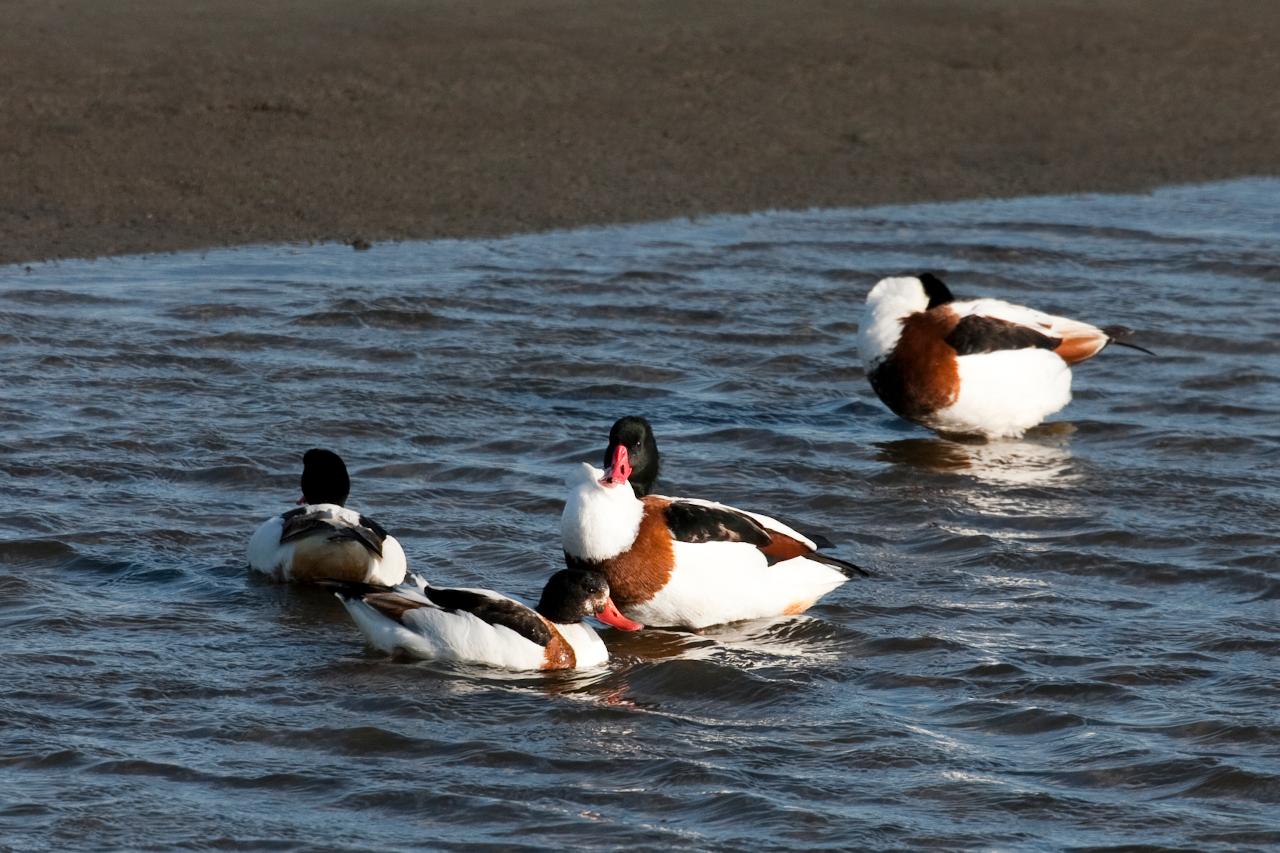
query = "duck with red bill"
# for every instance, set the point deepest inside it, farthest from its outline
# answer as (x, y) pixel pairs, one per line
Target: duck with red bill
(686, 562)
(485, 627)
(610, 615)
(619, 470)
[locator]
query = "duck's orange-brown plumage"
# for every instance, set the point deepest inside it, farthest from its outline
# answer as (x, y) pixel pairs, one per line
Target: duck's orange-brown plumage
(559, 654)
(644, 568)
(922, 376)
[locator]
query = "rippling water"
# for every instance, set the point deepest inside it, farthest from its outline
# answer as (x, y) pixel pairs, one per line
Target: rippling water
(1071, 641)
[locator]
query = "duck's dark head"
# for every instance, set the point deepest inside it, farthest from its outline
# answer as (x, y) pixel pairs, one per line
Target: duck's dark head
(634, 435)
(571, 595)
(324, 478)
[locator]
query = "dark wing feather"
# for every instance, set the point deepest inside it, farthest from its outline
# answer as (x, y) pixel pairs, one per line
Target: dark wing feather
(377, 529)
(495, 611)
(976, 334)
(384, 599)
(1118, 332)
(297, 527)
(689, 522)
(363, 535)
(302, 526)
(372, 534)
(843, 566)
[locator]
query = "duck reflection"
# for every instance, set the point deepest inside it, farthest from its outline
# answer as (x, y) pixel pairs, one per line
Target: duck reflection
(1009, 463)
(656, 644)
(655, 662)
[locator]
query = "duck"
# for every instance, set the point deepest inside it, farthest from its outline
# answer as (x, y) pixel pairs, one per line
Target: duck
(685, 562)
(982, 367)
(322, 539)
(481, 626)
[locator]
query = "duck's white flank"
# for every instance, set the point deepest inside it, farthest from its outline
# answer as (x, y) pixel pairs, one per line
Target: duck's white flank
(1037, 381)
(718, 582)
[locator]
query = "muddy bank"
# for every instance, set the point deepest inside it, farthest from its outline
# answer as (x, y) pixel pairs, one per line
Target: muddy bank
(150, 126)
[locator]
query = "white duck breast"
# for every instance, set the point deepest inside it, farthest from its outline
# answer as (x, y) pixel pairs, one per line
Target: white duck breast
(326, 542)
(890, 302)
(598, 522)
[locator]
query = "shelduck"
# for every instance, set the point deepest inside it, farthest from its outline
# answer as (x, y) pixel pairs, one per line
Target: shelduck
(979, 367)
(322, 539)
(485, 627)
(684, 562)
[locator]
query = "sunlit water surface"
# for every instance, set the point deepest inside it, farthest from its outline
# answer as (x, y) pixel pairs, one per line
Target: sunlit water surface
(1070, 641)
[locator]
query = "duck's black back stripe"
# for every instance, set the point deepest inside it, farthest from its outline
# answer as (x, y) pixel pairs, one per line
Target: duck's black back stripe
(297, 527)
(301, 526)
(691, 522)
(494, 611)
(378, 530)
(372, 534)
(975, 334)
(362, 535)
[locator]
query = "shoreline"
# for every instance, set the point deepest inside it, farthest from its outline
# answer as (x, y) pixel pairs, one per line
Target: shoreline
(153, 128)
(304, 243)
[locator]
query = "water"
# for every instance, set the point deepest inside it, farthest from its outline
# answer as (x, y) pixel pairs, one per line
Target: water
(1071, 641)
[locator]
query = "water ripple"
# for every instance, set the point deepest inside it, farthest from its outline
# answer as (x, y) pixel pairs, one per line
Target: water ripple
(1069, 641)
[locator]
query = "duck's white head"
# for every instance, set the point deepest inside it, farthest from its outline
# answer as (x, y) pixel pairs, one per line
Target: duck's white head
(601, 514)
(890, 302)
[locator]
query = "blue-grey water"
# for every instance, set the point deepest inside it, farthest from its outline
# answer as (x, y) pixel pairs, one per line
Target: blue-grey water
(1070, 641)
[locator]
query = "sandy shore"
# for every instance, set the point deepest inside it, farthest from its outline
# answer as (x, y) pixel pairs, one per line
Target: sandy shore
(146, 125)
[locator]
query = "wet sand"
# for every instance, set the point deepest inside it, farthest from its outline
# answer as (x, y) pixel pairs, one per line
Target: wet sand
(148, 126)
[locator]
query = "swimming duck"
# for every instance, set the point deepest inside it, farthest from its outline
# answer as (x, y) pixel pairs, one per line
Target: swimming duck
(981, 367)
(684, 562)
(482, 626)
(322, 539)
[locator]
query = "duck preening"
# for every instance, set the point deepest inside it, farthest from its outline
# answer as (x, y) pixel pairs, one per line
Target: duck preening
(485, 627)
(322, 539)
(685, 562)
(980, 367)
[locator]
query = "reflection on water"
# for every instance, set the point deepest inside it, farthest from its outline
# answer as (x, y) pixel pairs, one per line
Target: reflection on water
(1027, 462)
(654, 645)
(1068, 641)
